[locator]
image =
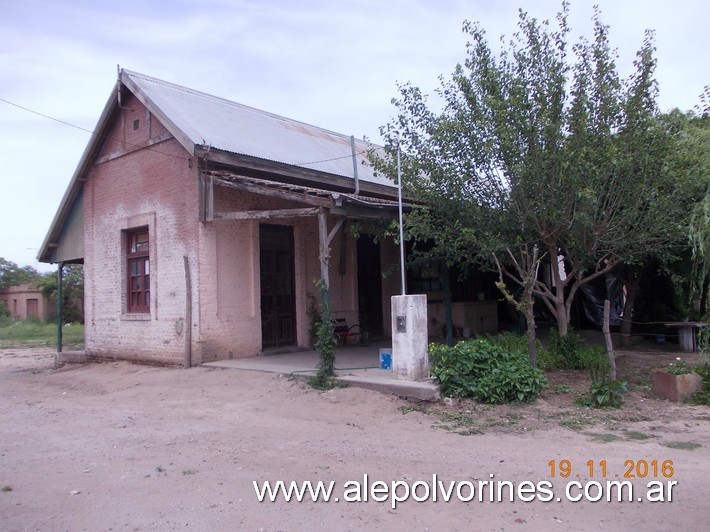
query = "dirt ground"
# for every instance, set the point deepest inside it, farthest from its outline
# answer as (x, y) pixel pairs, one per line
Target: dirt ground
(117, 446)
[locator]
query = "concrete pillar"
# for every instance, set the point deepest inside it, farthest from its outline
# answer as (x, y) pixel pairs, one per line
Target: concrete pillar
(410, 358)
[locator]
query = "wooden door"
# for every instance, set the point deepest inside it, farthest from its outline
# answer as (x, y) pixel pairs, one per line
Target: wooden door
(32, 308)
(278, 298)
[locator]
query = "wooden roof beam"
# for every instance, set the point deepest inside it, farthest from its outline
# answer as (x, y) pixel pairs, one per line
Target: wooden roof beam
(266, 214)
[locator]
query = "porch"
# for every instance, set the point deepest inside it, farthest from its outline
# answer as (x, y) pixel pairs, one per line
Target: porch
(355, 365)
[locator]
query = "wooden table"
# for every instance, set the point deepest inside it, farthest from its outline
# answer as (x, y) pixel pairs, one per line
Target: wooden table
(686, 333)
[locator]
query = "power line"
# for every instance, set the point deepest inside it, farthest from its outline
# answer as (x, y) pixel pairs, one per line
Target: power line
(91, 131)
(27, 109)
(349, 156)
(46, 116)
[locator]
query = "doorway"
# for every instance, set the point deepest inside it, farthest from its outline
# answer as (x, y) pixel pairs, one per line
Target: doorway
(278, 294)
(369, 282)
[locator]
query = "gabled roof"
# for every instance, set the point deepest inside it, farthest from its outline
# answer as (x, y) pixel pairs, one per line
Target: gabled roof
(223, 132)
(199, 120)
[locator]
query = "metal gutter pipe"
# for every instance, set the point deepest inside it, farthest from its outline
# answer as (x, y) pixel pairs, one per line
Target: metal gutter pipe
(355, 176)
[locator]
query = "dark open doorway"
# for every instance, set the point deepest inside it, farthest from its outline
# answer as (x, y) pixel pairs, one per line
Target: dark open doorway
(369, 281)
(278, 295)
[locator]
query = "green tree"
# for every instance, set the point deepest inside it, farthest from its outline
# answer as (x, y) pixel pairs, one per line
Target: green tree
(13, 275)
(540, 158)
(688, 162)
(699, 228)
(72, 291)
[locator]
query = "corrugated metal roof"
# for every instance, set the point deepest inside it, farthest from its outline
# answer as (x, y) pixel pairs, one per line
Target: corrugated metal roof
(229, 126)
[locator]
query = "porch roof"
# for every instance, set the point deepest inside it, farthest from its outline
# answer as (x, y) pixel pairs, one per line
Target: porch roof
(338, 203)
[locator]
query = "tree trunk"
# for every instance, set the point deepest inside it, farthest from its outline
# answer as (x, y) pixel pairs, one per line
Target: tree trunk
(561, 314)
(559, 303)
(527, 277)
(532, 335)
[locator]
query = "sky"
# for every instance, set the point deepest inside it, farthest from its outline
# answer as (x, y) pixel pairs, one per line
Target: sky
(330, 63)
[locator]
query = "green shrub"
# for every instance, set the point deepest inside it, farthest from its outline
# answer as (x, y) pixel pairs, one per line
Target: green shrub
(485, 371)
(510, 341)
(703, 397)
(704, 372)
(602, 392)
(605, 393)
(568, 352)
(548, 360)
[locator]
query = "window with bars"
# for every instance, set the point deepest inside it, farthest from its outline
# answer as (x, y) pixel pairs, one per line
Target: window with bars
(138, 263)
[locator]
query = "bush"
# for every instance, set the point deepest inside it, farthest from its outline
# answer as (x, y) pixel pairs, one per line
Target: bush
(510, 341)
(703, 397)
(606, 393)
(485, 371)
(602, 392)
(568, 352)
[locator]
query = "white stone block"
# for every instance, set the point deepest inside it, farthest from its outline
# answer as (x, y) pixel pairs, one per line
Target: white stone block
(410, 358)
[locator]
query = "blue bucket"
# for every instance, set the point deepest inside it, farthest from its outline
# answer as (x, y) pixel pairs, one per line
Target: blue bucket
(386, 359)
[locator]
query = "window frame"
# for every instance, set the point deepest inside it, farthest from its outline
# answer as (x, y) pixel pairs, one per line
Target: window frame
(142, 259)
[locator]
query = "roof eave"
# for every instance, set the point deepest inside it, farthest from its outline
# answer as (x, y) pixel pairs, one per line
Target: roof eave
(297, 175)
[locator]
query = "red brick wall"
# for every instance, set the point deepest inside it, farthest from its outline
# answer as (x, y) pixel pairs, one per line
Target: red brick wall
(142, 178)
(131, 187)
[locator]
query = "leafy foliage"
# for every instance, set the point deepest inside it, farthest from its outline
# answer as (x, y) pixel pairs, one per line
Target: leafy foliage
(679, 367)
(603, 392)
(325, 342)
(541, 149)
(485, 371)
(703, 396)
(606, 393)
(13, 275)
(570, 352)
(509, 341)
(72, 291)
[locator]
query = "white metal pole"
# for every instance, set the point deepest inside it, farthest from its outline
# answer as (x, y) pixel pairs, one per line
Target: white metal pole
(401, 225)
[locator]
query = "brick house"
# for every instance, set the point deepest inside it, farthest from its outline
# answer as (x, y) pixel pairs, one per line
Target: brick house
(26, 301)
(202, 224)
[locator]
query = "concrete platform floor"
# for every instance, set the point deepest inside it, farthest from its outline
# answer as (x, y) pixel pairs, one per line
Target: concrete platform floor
(355, 365)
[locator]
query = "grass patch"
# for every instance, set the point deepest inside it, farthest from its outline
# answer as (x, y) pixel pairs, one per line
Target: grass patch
(323, 384)
(602, 438)
(448, 420)
(571, 423)
(683, 445)
(636, 435)
(561, 389)
(6, 489)
(188, 472)
(38, 334)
